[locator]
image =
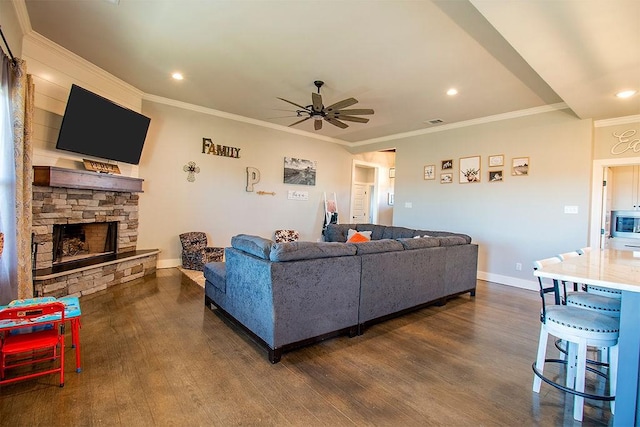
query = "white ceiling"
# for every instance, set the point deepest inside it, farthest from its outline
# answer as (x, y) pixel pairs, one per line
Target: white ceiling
(397, 57)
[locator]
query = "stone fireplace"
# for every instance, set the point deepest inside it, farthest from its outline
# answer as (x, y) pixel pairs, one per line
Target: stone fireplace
(85, 231)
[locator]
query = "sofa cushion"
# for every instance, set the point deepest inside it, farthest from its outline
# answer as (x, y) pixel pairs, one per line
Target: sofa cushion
(452, 240)
(354, 236)
(216, 273)
(376, 230)
(309, 250)
(254, 245)
(397, 232)
(337, 232)
(419, 243)
(377, 246)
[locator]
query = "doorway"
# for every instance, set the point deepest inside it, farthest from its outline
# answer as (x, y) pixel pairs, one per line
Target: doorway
(364, 193)
(600, 195)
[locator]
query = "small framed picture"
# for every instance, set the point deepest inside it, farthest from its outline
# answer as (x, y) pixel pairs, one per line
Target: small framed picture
(446, 178)
(495, 176)
(469, 169)
(447, 164)
(496, 160)
(430, 172)
(520, 166)
(392, 172)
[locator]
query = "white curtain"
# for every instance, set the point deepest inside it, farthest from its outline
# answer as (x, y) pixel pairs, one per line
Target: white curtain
(16, 177)
(8, 259)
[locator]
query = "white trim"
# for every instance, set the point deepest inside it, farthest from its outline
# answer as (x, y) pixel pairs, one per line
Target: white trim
(616, 121)
(530, 285)
(168, 263)
(467, 123)
(23, 16)
(42, 42)
(236, 117)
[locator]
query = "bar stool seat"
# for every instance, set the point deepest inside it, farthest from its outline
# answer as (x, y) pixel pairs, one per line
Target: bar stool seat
(592, 301)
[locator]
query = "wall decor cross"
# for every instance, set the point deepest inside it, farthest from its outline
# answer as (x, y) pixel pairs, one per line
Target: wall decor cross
(192, 169)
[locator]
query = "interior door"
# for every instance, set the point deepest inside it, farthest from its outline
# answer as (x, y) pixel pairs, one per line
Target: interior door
(361, 200)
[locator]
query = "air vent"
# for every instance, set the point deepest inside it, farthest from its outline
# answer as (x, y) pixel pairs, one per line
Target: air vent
(435, 121)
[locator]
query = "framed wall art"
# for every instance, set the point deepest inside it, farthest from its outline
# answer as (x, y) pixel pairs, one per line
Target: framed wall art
(299, 171)
(446, 164)
(446, 178)
(496, 160)
(430, 172)
(469, 169)
(495, 176)
(520, 166)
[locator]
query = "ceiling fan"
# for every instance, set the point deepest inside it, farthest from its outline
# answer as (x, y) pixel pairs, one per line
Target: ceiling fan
(333, 114)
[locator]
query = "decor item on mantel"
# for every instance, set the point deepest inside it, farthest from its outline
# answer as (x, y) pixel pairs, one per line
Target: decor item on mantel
(192, 169)
(92, 165)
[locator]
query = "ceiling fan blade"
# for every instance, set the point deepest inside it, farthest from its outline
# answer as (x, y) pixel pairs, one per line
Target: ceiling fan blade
(353, 112)
(293, 103)
(352, 119)
(336, 122)
(316, 99)
(317, 124)
(300, 121)
(341, 104)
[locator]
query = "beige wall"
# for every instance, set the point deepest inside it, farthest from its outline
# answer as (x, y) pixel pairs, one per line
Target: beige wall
(217, 201)
(515, 221)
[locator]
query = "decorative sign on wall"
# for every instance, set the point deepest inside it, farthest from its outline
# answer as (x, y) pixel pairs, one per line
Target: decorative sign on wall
(208, 147)
(626, 142)
(299, 171)
(253, 177)
(191, 170)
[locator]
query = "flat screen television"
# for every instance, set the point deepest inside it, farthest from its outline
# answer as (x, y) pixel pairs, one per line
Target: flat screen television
(94, 126)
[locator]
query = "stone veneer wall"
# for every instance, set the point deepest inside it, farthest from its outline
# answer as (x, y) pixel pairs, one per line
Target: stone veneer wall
(57, 205)
(97, 279)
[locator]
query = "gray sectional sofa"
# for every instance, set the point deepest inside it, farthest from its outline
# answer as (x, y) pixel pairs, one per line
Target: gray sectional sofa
(286, 295)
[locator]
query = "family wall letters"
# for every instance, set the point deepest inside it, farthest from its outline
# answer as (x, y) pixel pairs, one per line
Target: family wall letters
(208, 147)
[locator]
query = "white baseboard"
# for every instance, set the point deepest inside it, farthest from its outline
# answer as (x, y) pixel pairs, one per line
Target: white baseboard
(169, 263)
(531, 285)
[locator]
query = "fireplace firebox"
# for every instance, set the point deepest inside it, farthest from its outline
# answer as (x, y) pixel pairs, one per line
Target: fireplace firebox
(83, 241)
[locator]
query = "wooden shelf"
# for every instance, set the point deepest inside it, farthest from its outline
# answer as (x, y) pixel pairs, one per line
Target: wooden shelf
(51, 176)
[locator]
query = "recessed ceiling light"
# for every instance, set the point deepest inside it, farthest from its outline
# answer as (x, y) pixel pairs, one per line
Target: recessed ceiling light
(452, 92)
(626, 93)
(177, 76)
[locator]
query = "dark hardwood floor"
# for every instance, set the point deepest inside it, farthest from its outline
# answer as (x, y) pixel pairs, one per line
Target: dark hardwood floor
(153, 354)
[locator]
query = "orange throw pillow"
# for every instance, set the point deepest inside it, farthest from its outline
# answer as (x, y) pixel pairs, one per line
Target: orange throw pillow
(358, 238)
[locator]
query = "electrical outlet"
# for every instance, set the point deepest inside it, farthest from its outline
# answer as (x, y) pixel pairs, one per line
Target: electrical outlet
(518, 266)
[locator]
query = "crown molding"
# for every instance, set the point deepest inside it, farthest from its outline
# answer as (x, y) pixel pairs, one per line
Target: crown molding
(467, 123)
(238, 118)
(617, 121)
(39, 41)
(23, 16)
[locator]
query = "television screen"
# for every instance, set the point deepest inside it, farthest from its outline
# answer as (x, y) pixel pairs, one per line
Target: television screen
(95, 126)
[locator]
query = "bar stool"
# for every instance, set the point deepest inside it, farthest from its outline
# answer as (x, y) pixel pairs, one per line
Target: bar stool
(579, 328)
(611, 293)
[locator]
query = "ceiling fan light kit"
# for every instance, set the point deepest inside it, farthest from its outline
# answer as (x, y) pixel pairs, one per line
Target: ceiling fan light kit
(319, 113)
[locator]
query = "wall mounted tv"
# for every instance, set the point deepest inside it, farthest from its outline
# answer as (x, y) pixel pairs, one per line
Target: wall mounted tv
(95, 126)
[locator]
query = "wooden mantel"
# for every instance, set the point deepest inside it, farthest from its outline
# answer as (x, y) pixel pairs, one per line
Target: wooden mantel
(51, 176)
